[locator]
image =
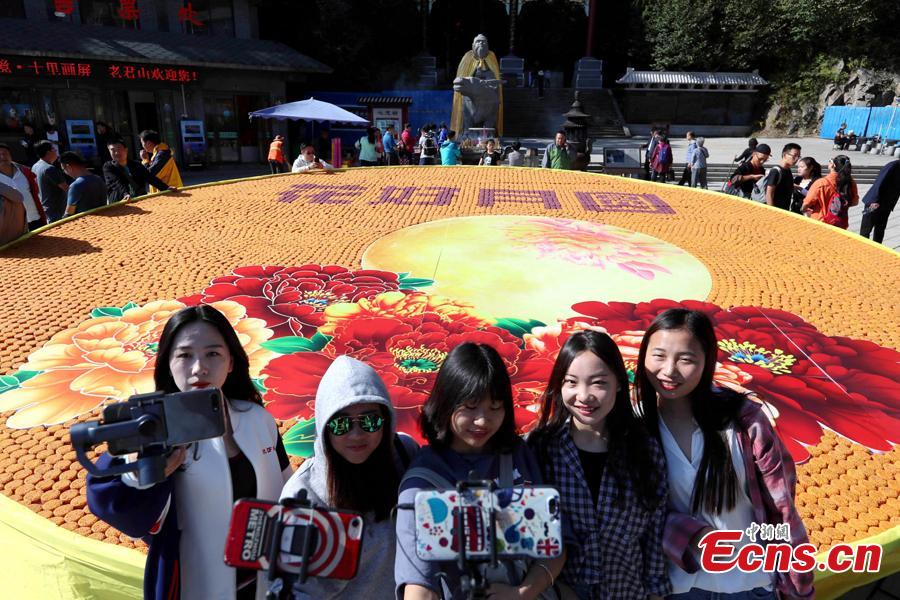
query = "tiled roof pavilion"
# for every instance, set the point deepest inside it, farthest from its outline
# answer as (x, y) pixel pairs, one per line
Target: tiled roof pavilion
(688, 80)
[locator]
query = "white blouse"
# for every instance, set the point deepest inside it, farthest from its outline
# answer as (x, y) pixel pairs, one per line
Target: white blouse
(682, 473)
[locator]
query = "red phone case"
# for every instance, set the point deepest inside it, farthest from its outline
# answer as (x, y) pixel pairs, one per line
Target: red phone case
(338, 538)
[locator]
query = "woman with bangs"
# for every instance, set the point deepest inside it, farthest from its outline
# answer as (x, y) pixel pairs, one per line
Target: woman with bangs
(468, 422)
(610, 473)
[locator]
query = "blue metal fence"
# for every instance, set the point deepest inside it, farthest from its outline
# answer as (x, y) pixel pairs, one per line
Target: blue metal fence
(885, 121)
(856, 118)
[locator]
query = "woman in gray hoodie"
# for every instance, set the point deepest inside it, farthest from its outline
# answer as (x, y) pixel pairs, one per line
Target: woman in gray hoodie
(358, 464)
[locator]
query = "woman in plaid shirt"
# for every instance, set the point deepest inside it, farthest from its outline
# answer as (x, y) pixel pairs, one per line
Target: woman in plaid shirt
(609, 471)
(727, 468)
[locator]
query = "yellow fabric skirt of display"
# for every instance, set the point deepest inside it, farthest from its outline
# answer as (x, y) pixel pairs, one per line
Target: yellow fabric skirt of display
(44, 562)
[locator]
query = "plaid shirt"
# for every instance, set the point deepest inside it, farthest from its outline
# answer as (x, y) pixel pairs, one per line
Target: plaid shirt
(614, 547)
(772, 482)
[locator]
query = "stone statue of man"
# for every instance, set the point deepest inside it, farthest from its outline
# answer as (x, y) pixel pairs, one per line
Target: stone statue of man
(478, 90)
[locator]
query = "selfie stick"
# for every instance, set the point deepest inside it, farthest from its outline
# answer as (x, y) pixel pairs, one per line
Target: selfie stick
(277, 582)
(473, 582)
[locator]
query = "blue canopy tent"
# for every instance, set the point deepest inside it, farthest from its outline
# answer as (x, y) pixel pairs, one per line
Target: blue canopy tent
(311, 110)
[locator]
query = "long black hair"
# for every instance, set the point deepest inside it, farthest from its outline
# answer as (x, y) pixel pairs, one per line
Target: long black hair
(369, 486)
(843, 168)
(629, 454)
(715, 488)
(238, 384)
(370, 134)
(470, 373)
(815, 169)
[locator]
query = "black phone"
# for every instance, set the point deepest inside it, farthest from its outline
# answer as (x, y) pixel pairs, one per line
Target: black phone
(179, 418)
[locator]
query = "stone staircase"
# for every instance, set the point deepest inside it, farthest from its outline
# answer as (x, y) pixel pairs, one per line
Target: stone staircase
(526, 115)
(717, 173)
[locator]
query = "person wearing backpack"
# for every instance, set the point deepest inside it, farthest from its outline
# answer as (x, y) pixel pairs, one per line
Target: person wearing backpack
(661, 159)
(428, 147)
(778, 184)
(750, 171)
(831, 197)
(358, 463)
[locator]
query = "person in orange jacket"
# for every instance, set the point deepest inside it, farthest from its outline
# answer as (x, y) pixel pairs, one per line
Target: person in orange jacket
(830, 197)
(276, 155)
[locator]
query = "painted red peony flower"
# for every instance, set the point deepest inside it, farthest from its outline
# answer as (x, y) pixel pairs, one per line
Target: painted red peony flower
(406, 352)
(813, 381)
(291, 300)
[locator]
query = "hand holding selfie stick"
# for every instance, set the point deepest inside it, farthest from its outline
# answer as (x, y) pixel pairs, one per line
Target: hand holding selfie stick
(285, 581)
(473, 582)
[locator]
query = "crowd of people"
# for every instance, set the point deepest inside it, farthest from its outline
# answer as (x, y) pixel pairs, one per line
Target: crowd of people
(57, 184)
(60, 184)
(812, 191)
(434, 145)
(644, 470)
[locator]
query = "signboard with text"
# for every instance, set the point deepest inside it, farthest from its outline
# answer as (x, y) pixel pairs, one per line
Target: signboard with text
(61, 68)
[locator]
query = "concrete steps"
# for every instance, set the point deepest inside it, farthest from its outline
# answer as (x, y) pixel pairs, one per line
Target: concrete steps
(717, 173)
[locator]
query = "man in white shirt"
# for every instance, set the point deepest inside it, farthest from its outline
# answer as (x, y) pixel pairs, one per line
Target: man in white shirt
(21, 178)
(308, 162)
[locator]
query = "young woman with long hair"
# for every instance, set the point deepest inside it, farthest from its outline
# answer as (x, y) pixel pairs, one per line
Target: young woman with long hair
(358, 463)
(468, 422)
(829, 198)
(610, 472)
(727, 468)
(184, 519)
(808, 171)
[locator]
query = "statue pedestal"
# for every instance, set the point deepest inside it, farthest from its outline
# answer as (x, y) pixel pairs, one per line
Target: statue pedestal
(589, 74)
(481, 133)
(426, 70)
(512, 70)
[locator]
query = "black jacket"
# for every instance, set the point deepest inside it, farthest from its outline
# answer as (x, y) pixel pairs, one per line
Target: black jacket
(121, 183)
(886, 188)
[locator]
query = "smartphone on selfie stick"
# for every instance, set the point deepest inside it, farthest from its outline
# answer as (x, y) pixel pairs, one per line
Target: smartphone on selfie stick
(477, 523)
(293, 540)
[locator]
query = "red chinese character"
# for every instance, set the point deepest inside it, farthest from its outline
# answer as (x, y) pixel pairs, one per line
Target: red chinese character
(35, 66)
(68, 69)
(128, 10)
(84, 70)
(184, 75)
(115, 71)
(171, 75)
(157, 74)
(128, 72)
(188, 14)
(141, 73)
(194, 76)
(5, 68)
(52, 68)
(63, 7)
